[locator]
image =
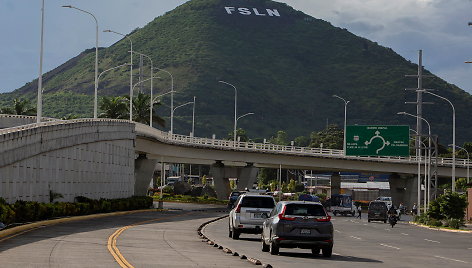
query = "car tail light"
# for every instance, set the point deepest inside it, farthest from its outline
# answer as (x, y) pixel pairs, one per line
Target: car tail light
(282, 216)
(323, 219)
(238, 208)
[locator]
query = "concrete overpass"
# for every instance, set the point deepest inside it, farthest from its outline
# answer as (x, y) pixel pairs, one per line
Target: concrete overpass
(105, 158)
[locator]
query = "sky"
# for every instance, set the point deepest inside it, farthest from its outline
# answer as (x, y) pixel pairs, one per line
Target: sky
(438, 27)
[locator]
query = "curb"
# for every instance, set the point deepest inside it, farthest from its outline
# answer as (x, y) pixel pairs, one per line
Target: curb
(440, 229)
(225, 249)
(35, 225)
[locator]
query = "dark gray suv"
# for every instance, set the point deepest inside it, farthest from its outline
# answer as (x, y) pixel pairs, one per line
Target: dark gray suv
(298, 224)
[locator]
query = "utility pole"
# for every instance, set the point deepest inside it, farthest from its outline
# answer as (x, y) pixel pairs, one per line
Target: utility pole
(419, 115)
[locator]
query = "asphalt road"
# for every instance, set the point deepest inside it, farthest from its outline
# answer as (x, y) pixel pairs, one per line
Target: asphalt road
(161, 239)
(358, 243)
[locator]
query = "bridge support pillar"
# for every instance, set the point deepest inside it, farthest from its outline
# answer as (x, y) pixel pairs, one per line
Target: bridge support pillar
(403, 189)
(143, 173)
(335, 183)
(247, 176)
(220, 180)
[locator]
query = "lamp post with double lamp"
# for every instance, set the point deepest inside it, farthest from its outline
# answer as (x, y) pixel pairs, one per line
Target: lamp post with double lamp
(95, 102)
(244, 115)
(171, 99)
(190, 102)
(427, 158)
(345, 120)
(235, 107)
(453, 175)
(468, 159)
(39, 107)
(151, 100)
(150, 108)
(131, 69)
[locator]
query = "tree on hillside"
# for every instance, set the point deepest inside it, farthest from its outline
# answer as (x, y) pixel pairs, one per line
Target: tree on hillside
(114, 107)
(280, 138)
(332, 138)
(141, 107)
(19, 107)
(241, 133)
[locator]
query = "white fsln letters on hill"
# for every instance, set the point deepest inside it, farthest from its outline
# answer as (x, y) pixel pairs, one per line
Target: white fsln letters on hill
(254, 11)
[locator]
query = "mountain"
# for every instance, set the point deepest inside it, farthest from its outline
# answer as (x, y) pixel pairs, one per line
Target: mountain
(285, 65)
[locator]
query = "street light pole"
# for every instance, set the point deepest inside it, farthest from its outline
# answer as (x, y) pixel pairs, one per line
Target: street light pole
(95, 103)
(345, 120)
(193, 119)
(190, 102)
(39, 107)
(151, 104)
(453, 175)
(468, 159)
(131, 72)
(171, 99)
(244, 115)
(427, 158)
(235, 107)
(100, 75)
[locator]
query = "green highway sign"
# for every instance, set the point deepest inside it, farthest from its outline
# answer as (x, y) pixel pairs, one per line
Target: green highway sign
(378, 140)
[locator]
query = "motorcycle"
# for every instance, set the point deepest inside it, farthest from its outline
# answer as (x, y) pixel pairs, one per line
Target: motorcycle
(392, 220)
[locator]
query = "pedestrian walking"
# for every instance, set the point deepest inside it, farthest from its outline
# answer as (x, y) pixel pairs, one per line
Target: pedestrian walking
(359, 211)
(414, 210)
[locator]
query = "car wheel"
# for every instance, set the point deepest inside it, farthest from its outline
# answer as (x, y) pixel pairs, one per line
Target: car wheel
(335, 212)
(230, 233)
(265, 247)
(353, 214)
(315, 251)
(235, 234)
(273, 248)
(368, 220)
(327, 252)
(385, 221)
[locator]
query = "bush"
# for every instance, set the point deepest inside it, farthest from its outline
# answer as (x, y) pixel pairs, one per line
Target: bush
(454, 223)
(23, 211)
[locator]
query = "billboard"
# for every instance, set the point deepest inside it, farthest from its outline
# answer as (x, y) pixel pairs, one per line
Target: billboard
(377, 140)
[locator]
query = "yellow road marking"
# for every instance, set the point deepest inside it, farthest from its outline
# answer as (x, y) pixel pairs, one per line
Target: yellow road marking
(20, 233)
(112, 240)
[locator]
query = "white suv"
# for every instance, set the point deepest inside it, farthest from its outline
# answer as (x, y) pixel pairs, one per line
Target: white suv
(249, 213)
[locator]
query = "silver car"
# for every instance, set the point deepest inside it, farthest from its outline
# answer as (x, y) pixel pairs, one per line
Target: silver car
(248, 214)
(298, 224)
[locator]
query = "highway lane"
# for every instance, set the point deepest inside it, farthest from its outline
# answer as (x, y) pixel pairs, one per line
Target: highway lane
(164, 239)
(359, 243)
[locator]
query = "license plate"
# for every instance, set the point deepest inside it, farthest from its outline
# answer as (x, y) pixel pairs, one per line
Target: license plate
(258, 215)
(305, 231)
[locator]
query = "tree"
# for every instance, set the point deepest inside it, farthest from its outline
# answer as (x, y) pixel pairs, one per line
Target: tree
(291, 186)
(241, 133)
(114, 107)
(19, 107)
(302, 141)
(332, 138)
(280, 138)
(141, 108)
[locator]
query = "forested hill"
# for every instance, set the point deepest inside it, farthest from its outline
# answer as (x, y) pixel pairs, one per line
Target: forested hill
(285, 65)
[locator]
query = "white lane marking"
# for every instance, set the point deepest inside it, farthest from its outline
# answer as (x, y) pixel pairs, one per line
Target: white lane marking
(469, 248)
(390, 246)
(387, 230)
(355, 237)
(432, 241)
(404, 234)
(365, 224)
(337, 231)
(449, 259)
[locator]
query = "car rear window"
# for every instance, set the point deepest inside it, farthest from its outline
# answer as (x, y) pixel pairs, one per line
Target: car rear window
(257, 202)
(377, 205)
(235, 194)
(304, 210)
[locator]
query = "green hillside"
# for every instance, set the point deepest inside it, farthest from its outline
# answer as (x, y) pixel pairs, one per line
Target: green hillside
(286, 69)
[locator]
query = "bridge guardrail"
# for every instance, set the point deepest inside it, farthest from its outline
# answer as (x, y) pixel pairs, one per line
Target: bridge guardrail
(281, 149)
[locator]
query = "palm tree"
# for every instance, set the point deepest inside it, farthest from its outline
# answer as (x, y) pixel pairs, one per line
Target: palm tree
(20, 107)
(141, 110)
(114, 107)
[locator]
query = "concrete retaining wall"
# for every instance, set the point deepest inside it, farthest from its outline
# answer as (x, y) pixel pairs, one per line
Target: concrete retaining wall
(93, 158)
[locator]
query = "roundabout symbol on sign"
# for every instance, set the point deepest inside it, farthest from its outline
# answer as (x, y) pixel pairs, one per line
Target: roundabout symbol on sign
(377, 135)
